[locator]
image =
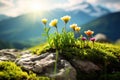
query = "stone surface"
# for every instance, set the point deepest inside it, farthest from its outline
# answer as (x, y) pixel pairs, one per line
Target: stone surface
(44, 64)
(41, 64)
(8, 54)
(101, 38)
(85, 66)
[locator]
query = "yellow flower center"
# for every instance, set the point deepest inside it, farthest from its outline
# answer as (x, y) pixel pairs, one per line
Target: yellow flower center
(77, 29)
(66, 18)
(54, 23)
(44, 21)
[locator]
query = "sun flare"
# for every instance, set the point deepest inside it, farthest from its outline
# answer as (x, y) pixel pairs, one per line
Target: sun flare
(35, 7)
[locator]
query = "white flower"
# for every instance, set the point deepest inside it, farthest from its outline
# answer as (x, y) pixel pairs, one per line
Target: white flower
(73, 26)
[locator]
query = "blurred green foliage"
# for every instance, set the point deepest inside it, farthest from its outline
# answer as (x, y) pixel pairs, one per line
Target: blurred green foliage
(9, 71)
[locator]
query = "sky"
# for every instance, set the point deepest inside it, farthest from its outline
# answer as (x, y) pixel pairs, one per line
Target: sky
(15, 8)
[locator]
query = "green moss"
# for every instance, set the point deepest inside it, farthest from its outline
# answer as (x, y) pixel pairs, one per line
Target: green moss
(113, 76)
(100, 53)
(9, 71)
(39, 49)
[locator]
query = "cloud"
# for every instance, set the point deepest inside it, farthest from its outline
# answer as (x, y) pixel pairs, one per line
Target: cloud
(5, 4)
(103, 1)
(67, 4)
(110, 1)
(14, 8)
(17, 7)
(81, 7)
(10, 8)
(113, 5)
(73, 2)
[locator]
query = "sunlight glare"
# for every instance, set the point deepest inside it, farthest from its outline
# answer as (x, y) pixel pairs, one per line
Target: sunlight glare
(35, 7)
(91, 1)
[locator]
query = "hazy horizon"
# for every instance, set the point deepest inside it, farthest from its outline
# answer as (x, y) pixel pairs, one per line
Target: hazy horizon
(15, 8)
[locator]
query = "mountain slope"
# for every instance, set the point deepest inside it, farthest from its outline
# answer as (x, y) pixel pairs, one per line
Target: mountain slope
(4, 45)
(2, 17)
(108, 25)
(90, 9)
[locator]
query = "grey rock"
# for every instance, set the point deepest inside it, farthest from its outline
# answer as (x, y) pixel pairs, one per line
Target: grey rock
(8, 55)
(39, 57)
(101, 37)
(66, 73)
(44, 64)
(13, 50)
(117, 42)
(85, 66)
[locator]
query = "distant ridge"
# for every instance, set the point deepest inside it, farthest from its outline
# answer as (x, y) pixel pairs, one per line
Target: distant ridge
(108, 25)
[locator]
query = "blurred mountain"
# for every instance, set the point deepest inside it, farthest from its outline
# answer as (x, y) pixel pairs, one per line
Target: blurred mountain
(4, 44)
(27, 29)
(108, 25)
(20, 30)
(92, 10)
(2, 17)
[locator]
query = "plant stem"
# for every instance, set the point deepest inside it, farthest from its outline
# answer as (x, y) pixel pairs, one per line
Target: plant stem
(74, 34)
(88, 40)
(83, 44)
(93, 43)
(56, 57)
(48, 39)
(56, 29)
(44, 25)
(47, 33)
(65, 27)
